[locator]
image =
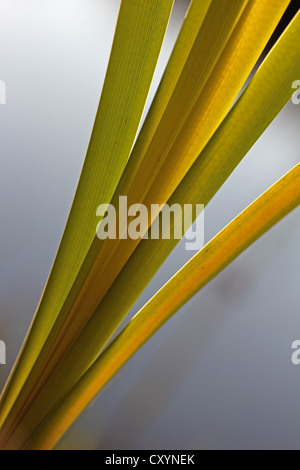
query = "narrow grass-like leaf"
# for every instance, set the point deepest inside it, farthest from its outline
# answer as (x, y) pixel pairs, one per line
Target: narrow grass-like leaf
(251, 224)
(234, 138)
(155, 178)
(139, 35)
(211, 34)
(269, 91)
(106, 260)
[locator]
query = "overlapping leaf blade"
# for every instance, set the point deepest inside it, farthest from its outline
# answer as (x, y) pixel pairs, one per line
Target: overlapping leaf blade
(263, 214)
(143, 180)
(139, 35)
(212, 34)
(237, 134)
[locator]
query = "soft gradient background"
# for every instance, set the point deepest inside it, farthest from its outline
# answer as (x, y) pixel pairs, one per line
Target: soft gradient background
(219, 374)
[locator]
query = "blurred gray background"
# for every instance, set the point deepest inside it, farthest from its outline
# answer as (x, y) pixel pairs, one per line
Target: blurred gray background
(219, 375)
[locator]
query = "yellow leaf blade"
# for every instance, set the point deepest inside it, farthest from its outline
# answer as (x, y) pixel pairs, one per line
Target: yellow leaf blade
(212, 25)
(139, 35)
(263, 214)
(111, 326)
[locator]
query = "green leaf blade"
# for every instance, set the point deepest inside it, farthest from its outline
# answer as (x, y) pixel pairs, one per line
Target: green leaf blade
(251, 224)
(139, 35)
